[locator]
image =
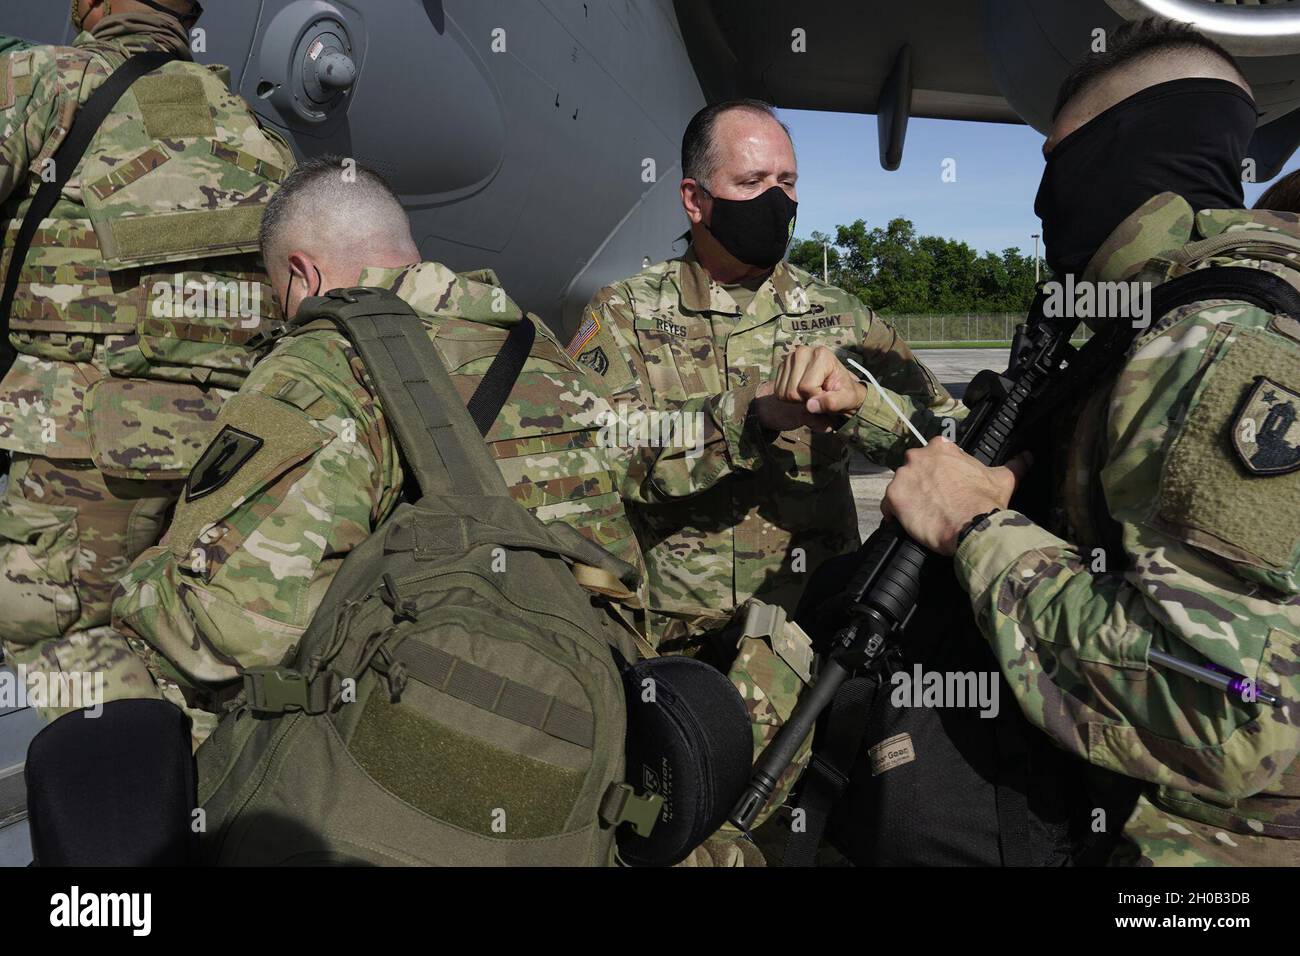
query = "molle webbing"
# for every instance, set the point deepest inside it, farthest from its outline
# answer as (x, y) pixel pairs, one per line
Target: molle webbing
(439, 440)
(496, 694)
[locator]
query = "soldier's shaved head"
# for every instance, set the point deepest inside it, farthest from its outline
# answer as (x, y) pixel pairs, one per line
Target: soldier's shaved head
(335, 217)
(1137, 56)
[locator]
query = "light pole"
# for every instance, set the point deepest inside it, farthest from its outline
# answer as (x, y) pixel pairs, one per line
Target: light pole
(826, 271)
(1035, 238)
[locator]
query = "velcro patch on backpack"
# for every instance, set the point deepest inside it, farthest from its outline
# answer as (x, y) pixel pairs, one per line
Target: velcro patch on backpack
(15, 78)
(6, 83)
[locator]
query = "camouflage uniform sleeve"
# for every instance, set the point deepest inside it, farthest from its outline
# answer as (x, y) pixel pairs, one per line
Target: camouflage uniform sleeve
(1074, 640)
(730, 439)
(874, 429)
(243, 568)
(29, 96)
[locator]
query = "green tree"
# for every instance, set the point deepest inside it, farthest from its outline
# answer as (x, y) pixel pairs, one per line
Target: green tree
(807, 254)
(894, 270)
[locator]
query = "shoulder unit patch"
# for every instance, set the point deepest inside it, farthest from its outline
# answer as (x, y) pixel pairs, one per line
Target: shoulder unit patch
(1266, 431)
(595, 359)
(224, 456)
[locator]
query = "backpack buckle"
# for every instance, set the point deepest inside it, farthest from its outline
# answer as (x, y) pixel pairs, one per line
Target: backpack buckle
(275, 690)
(351, 296)
(622, 804)
(268, 336)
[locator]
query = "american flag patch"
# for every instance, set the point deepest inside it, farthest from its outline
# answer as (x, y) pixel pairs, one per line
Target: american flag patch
(590, 326)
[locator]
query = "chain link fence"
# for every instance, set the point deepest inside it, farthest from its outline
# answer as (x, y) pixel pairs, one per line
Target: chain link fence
(995, 328)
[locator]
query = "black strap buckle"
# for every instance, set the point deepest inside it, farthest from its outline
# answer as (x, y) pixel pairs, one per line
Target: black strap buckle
(268, 336)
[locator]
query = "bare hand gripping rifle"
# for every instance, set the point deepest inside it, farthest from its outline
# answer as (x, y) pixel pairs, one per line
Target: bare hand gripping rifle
(883, 591)
(1045, 371)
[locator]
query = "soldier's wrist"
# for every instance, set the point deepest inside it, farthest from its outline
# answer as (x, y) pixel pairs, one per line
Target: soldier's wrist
(975, 523)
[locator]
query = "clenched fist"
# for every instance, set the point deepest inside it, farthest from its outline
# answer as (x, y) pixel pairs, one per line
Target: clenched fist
(816, 379)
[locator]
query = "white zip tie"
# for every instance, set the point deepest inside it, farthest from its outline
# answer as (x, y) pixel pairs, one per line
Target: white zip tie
(885, 396)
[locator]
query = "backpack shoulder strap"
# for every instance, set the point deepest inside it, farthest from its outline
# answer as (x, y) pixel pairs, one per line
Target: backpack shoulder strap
(87, 121)
(1236, 240)
(440, 437)
(1267, 290)
(441, 443)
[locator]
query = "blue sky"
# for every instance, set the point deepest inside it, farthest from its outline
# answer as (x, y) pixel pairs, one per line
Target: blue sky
(990, 205)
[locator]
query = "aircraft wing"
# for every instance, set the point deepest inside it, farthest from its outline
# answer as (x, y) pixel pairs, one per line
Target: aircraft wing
(995, 61)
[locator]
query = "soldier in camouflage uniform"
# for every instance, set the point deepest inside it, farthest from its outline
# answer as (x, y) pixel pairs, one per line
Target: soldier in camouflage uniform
(262, 529)
(1172, 522)
(304, 467)
(133, 307)
(763, 496)
(747, 350)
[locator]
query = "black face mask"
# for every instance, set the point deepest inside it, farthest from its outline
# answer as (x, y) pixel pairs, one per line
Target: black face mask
(756, 231)
(1187, 137)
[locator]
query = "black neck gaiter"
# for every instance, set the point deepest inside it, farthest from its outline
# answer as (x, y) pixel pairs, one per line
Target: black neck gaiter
(1187, 137)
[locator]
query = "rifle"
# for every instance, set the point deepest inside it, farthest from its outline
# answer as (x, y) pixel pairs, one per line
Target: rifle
(1045, 371)
(883, 592)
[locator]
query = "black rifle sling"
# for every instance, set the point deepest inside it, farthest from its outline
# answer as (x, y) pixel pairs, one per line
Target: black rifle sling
(85, 124)
(838, 740)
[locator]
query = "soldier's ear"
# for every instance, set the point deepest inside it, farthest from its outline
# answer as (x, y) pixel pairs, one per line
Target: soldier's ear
(303, 268)
(694, 200)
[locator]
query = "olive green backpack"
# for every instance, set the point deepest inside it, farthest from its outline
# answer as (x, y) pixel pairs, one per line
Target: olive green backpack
(455, 700)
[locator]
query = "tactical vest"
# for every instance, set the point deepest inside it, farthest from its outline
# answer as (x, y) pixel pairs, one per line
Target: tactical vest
(166, 196)
(1077, 447)
(147, 267)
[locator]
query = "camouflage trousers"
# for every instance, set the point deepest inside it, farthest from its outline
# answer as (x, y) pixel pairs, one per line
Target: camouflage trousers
(67, 534)
(1154, 837)
(769, 660)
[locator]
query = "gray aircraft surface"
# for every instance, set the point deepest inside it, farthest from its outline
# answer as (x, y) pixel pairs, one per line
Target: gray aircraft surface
(541, 137)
